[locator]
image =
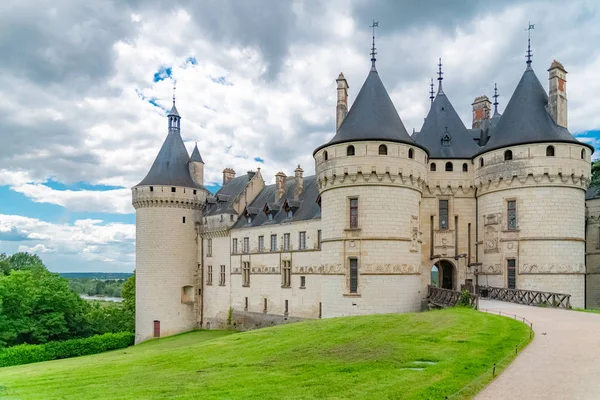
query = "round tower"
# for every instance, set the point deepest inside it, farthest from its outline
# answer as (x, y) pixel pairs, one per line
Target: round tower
(168, 203)
(370, 180)
(531, 179)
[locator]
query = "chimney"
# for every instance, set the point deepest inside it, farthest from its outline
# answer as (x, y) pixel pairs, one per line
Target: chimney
(228, 174)
(557, 99)
(280, 178)
(481, 111)
(251, 175)
(342, 100)
(299, 182)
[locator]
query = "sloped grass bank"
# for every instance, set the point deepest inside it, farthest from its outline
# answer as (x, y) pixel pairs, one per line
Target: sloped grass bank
(411, 356)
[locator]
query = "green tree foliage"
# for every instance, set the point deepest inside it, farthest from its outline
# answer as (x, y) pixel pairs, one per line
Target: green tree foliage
(104, 316)
(595, 174)
(97, 287)
(128, 294)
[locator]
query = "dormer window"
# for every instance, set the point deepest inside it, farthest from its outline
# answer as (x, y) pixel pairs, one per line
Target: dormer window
(350, 150)
(270, 216)
(289, 213)
(249, 220)
(446, 138)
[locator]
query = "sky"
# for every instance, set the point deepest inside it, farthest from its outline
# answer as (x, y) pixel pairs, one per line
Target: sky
(85, 87)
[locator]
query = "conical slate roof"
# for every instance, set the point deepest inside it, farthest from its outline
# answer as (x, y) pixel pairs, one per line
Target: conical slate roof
(196, 155)
(173, 111)
(442, 119)
(526, 119)
(371, 117)
(170, 167)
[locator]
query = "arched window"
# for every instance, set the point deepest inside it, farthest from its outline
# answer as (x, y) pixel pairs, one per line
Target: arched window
(382, 150)
(325, 155)
(449, 167)
(508, 155)
(582, 154)
(465, 167)
(350, 150)
(411, 153)
(550, 151)
(481, 162)
(432, 167)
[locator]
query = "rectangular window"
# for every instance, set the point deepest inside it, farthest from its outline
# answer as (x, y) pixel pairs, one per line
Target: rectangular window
(443, 207)
(245, 273)
(222, 278)
(286, 241)
(302, 282)
(183, 220)
(245, 304)
(511, 273)
(265, 305)
(302, 241)
(320, 309)
(273, 242)
(353, 213)
(353, 275)
(319, 239)
(286, 308)
(234, 246)
(246, 248)
(209, 275)
(261, 244)
(512, 214)
(286, 274)
(209, 248)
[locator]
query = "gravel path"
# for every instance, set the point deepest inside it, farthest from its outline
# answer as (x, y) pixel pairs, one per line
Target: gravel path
(562, 361)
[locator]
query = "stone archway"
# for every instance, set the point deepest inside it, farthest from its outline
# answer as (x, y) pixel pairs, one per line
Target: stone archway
(447, 278)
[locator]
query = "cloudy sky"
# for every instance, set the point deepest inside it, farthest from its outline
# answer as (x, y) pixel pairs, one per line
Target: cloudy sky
(85, 87)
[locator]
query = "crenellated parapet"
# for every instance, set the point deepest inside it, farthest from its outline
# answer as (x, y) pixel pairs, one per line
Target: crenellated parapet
(168, 196)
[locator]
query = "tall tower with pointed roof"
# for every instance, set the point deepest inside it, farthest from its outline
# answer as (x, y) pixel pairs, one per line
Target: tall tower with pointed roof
(370, 177)
(169, 203)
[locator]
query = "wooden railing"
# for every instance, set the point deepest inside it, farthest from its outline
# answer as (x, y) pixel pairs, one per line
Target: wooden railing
(527, 297)
(447, 298)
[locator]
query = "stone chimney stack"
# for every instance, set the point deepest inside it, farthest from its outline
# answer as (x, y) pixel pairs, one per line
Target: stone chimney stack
(481, 111)
(298, 174)
(557, 99)
(228, 174)
(342, 100)
(280, 178)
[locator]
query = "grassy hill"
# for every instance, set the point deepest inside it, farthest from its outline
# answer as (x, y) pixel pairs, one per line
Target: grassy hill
(410, 356)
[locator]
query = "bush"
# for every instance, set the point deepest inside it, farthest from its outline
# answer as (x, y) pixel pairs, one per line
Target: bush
(465, 298)
(31, 353)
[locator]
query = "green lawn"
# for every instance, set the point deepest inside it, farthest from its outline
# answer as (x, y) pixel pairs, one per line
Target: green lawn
(411, 356)
(590, 310)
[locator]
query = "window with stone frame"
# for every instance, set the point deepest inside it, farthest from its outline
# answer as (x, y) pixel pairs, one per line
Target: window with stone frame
(209, 248)
(511, 213)
(273, 242)
(246, 248)
(286, 241)
(302, 282)
(353, 275)
(353, 213)
(246, 273)
(301, 240)
(209, 275)
(222, 276)
(234, 247)
(286, 274)
(443, 213)
(261, 243)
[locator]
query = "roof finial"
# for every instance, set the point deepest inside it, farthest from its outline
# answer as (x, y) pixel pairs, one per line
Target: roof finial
(528, 55)
(440, 73)
(431, 90)
(174, 86)
(373, 52)
(495, 99)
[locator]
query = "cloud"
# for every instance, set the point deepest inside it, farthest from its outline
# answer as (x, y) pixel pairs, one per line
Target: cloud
(38, 248)
(12, 234)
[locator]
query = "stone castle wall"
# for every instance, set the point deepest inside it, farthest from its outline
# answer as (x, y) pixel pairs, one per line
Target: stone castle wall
(593, 254)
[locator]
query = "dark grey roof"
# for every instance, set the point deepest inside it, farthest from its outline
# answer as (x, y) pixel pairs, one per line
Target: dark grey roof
(173, 110)
(196, 155)
(593, 192)
(442, 119)
(170, 167)
(304, 208)
(526, 119)
(222, 202)
(371, 117)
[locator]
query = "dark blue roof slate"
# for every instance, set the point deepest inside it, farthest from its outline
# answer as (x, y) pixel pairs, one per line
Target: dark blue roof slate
(442, 119)
(593, 192)
(526, 119)
(371, 117)
(196, 155)
(224, 199)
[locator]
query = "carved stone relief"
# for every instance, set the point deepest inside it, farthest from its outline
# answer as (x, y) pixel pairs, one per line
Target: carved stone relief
(414, 239)
(495, 269)
(490, 240)
(552, 268)
(400, 269)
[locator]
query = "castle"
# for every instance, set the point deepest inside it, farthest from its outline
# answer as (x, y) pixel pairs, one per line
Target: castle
(502, 203)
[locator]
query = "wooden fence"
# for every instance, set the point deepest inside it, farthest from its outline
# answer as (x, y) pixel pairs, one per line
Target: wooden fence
(527, 297)
(447, 298)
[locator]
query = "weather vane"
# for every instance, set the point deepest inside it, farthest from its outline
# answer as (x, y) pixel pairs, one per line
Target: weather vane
(431, 90)
(440, 73)
(495, 99)
(174, 87)
(529, 28)
(373, 52)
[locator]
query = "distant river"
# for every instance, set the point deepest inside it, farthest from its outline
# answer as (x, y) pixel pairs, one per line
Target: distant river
(101, 298)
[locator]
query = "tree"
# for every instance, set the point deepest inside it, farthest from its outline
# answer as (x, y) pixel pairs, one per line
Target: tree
(595, 182)
(128, 294)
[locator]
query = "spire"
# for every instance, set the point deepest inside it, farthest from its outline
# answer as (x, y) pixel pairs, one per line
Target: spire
(440, 73)
(196, 155)
(528, 54)
(173, 116)
(431, 97)
(373, 50)
(495, 99)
